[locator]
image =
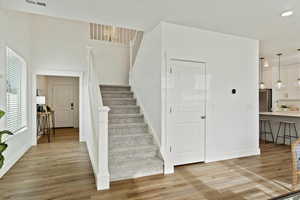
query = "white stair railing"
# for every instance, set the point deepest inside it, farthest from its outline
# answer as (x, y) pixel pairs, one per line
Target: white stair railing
(99, 126)
(110, 33)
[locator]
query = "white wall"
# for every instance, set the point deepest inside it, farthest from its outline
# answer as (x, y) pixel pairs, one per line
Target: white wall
(65, 49)
(15, 33)
(59, 44)
(232, 63)
(146, 80)
(111, 62)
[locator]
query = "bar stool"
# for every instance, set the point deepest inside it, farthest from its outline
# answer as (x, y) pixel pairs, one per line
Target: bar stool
(263, 129)
(285, 134)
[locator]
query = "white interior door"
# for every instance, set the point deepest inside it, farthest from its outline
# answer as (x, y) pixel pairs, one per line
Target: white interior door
(63, 105)
(186, 103)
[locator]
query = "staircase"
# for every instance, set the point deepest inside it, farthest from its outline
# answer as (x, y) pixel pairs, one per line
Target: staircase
(132, 152)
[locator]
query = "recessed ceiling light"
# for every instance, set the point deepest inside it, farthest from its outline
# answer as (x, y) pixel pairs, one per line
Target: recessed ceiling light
(287, 13)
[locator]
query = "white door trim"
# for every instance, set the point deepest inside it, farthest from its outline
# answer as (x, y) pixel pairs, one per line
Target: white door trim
(78, 74)
(169, 159)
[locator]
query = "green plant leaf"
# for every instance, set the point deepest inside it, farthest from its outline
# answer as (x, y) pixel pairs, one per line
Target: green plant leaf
(3, 147)
(1, 161)
(5, 132)
(2, 113)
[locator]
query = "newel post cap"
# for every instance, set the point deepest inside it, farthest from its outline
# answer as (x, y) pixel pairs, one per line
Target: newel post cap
(104, 109)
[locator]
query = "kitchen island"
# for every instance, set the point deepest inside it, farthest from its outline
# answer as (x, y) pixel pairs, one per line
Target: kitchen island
(276, 117)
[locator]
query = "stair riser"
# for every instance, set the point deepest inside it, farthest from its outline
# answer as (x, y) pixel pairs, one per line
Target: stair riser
(129, 130)
(120, 177)
(119, 102)
(126, 120)
(134, 110)
(121, 142)
(108, 88)
(132, 152)
(117, 95)
(132, 155)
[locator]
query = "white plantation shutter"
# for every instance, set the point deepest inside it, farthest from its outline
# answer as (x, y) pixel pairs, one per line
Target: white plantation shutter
(16, 91)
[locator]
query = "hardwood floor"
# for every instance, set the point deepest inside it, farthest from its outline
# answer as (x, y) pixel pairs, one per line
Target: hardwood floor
(61, 171)
(68, 135)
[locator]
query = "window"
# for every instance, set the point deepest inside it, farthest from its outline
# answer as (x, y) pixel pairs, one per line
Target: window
(15, 91)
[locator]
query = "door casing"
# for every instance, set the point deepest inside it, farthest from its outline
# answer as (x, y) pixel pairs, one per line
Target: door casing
(80, 75)
(168, 156)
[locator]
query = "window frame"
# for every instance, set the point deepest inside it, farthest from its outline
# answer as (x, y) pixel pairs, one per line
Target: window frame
(23, 88)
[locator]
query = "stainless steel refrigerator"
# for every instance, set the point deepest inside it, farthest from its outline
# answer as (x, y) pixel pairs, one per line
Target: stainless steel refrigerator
(265, 100)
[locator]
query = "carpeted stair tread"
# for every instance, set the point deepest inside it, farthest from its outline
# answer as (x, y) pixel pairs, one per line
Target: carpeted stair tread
(127, 125)
(133, 148)
(123, 141)
(125, 115)
(136, 169)
(116, 92)
(132, 151)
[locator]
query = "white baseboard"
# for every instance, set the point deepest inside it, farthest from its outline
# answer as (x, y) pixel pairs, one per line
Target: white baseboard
(168, 168)
(11, 161)
(235, 154)
(103, 182)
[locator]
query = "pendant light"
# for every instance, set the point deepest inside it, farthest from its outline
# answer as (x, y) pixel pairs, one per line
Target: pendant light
(298, 80)
(261, 83)
(279, 84)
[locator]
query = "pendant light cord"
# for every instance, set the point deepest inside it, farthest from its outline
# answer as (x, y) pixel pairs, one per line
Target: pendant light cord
(279, 68)
(279, 65)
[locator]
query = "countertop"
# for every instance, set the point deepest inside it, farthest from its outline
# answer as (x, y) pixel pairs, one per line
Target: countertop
(283, 114)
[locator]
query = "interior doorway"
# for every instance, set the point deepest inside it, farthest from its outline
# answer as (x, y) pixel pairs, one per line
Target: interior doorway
(57, 107)
(59, 93)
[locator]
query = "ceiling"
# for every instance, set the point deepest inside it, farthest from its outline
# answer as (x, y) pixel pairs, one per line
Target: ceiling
(258, 19)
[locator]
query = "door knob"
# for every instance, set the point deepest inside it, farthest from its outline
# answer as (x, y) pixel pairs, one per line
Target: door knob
(203, 117)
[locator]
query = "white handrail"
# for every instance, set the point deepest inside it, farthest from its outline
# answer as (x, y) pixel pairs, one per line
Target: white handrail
(99, 126)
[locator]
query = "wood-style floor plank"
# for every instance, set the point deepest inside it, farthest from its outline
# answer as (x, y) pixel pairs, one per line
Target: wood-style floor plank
(61, 170)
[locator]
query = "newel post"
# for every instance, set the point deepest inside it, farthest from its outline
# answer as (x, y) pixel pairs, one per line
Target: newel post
(103, 178)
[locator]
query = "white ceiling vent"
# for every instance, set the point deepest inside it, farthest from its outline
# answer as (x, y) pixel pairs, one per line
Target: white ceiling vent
(37, 2)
